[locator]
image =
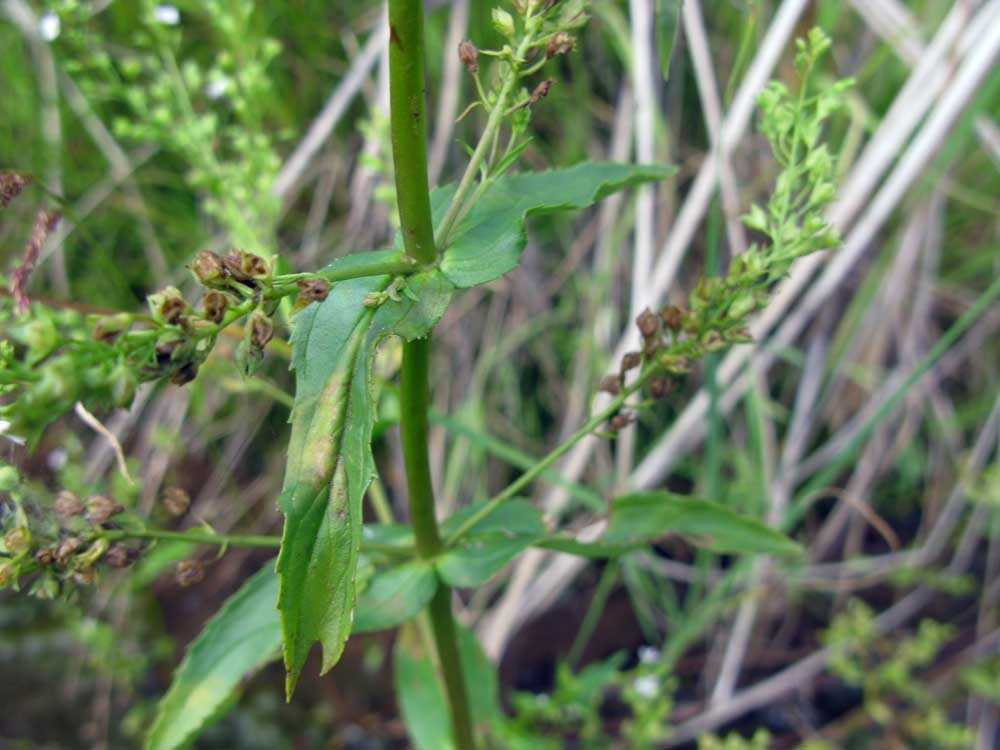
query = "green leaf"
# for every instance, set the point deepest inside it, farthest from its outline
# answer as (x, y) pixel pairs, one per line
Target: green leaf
(668, 26)
(418, 689)
(640, 518)
(244, 635)
(488, 242)
(395, 595)
(490, 544)
(330, 462)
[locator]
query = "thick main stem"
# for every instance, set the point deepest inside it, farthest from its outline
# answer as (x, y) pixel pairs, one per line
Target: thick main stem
(409, 150)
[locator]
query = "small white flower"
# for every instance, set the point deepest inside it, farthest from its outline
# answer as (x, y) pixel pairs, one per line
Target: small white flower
(649, 655)
(216, 88)
(168, 15)
(56, 459)
(646, 686)
(49, 26)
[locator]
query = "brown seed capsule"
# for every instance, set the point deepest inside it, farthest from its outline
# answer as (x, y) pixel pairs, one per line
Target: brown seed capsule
(232, 262)
(660, 386)
(184, 374)
(673, 317)
(215, 305)
(101, 508)
(611, 384)
(85, 577)
(170, 305)
(559, 44)
(45, 556)
(631, 360)
(176, 501)
(312, 290)
(66, 548)
(620, 421)
(469, 55)
(11, 185)
(120, 556)
(208, 268)
(261, 330)
(254, 266)
(648, 323)
(189, 572)
(67, 504)
(541, 91)
(650, 346)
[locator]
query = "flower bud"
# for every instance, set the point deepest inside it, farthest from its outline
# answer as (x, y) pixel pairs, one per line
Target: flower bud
(611, 384)
(215, 304)
(45, 556)
(109, 327)
(9, 478)
(8, 572)
(176, 501)
(312, 290)
(123, 384)
(469, 55)
(189, 572)
(17, 540)
(67, 504)
(503, 22)
(101, 508)
(648, 324)
(559, 44)
(85, 576)
(208, 268)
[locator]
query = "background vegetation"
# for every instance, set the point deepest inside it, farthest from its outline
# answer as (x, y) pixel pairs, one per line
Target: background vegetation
(864, 422)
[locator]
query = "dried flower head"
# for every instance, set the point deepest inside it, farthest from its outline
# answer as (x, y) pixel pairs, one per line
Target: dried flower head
(631, 360)
(189, 572)
(660, 386)
(541, 91)
(67, 504)
(120, 555)
(469, 55)
(101, 508)
(673, 317)
(11, 185)
(620, 421)
(312, 290)
(214, 304)
(208, 268)
(45, 222)
(176, 501)
(184, 374)
(648, 323)
(261, 329)
(559, 44)
(611, 384)
(67, 547)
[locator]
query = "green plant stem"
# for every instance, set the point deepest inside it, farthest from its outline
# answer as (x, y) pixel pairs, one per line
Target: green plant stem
(196, 537)
(408, 128)
(232, 540)
(493, 123)
(409, 152)
(558, 452)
